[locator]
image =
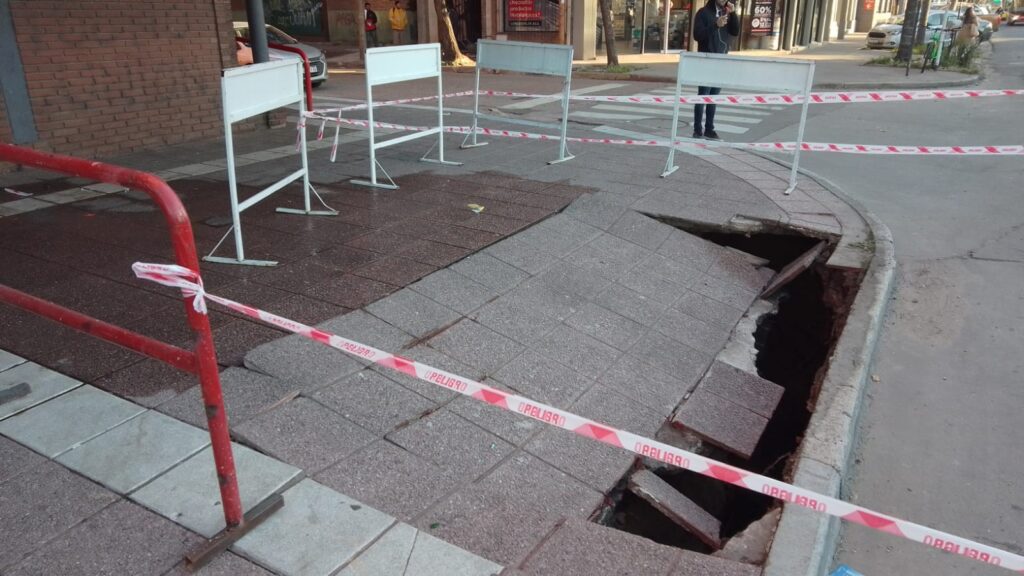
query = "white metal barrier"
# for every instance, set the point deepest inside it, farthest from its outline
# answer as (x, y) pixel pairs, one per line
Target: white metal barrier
(775, 75)
(245, 92)
(402, 64)
(528, 58)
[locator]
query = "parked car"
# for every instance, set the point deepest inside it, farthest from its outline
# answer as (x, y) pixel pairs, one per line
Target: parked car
(1014, 17)
(954, 21)
(317, 58)
(886, 35)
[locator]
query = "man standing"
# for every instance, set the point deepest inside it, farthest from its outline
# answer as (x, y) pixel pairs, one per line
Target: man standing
(399, 23)
(713, 28)
(370, 18)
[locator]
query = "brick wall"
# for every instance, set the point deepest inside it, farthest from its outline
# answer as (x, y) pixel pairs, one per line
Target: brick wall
(108, 77)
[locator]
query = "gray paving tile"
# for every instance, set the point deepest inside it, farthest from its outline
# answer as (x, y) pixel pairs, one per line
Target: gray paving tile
(721, 422)
(316, 532)
(631, 304)
(305, 434)
(608, 256)
(527, 256)
(729, 293)
(413, 312)
(697, 334)
(605, 406)
(652, 286)
(708, 309)
(694, 564)
(544, 380)
(490, 271)
(580, 548)
(435, 359)
(391, 479)
(584, 354)
(475, 345)
(594, 211)
(671, 356)
(636, 379)
(373, 401)
(16, 459)
(455, 291)
(518, 321)
(545, 299)
(572, 279)
(8, 360)
(732, 267)
(681, 274)
(607, 326)
(509, 426)
(406, 550)
(38, 506)
(68, 420)
(677, 507)
(189, 493)
(452, 442)
(367, 329)
(122, 539)
(640, 229)
(596, 464)
(246, 394)
(296, 359)
(688, 249)
(559, 234)
(748, 390)
(225, 564)
(44, 384)
(135, 452)
(492, 519)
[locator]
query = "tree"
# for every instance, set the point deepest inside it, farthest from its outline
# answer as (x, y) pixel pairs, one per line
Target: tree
(910, 19)
(609, 33)
(450, 52)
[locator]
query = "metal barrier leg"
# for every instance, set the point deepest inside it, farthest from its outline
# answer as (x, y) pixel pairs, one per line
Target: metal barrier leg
(440, 132)
(563, 149)
(476, 116)
(305, 174)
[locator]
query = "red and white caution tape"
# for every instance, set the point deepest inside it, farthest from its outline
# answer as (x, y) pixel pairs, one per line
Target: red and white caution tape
(904, 150)
(391, 102)
(189, 282)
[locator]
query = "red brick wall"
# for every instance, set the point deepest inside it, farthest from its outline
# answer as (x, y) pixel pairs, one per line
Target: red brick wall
(107, 77)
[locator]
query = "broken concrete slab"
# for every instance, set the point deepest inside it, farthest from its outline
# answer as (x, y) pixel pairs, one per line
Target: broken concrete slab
(752, 544)
(694, 564)
(452, 442)
(748, 390)
(676, 507)
(793, 269)
(580, 548)
(8, 360)
(721, 422)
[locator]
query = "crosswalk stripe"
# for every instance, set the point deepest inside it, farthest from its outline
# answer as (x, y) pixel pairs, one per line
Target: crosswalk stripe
(555, 97)
(648, 112)
(610, 130)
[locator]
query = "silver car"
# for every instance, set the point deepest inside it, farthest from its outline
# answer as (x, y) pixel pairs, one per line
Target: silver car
(886, 35)
(317, 59)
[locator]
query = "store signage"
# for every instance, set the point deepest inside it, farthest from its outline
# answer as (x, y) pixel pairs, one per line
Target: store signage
(762, 23)
(532, 15)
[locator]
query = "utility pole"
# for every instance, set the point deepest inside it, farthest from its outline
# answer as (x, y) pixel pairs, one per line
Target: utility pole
(257, 31)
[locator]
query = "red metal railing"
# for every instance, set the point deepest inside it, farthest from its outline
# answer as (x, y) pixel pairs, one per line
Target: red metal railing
(201, 361)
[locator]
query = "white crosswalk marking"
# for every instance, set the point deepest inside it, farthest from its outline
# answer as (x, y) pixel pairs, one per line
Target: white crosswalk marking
(618, 132)
(535, 102)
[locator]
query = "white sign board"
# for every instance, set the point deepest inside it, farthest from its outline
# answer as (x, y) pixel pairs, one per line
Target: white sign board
(526, 57)
(257, 88)
(402, 63)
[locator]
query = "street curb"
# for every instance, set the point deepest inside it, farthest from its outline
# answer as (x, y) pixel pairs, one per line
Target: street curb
(805, 541)
(967, 81)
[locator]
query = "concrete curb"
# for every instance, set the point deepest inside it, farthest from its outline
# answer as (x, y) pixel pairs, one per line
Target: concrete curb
(806, 541)
(967, 81)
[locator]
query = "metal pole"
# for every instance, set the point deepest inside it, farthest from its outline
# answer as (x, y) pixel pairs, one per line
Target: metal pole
(236, 214)
(664, 30)
(800, 130)
(257, 30)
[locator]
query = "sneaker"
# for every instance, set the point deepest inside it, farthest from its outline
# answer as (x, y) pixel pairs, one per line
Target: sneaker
(697, 134)
(711, 135)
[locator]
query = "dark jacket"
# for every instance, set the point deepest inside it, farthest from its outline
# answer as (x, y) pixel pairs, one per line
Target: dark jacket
(711, 38)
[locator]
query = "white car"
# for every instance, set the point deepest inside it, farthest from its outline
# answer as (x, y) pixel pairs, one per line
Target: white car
(317, 59)
(886, 35)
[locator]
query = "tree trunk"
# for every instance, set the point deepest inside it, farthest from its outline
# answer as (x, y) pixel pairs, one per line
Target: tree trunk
(450, 52)
(910, 18)
(608, 30)
(922, 24)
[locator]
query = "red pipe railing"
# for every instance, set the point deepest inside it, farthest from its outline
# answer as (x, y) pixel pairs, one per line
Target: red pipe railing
(202, 361)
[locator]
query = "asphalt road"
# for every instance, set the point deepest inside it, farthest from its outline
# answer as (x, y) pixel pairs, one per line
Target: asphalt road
(941, 433)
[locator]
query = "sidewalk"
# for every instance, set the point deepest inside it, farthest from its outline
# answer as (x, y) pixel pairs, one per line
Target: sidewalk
(565, 289)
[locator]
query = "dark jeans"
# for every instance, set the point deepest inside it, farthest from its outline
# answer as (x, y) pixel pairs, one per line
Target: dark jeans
(698, 110)
(371, 39)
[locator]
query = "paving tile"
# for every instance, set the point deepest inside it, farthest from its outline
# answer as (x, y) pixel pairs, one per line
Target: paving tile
(595, 212)
(708, 309)
(148, 383)
(304, 434)
(609, 256)
(382, 242)
(224, 564)
(68, 420)
(135, 452)
(350, 291)
(726, 292)
(406, 550)
(44, 384)
(647, 385)
(694, 564)
(433, 253)
(690, 250)
(631, 304)
(122, 539)
(543, 379)
(608, 407)
(316, 532)
(298, 360)
(476, 345)
(490, 271)
(17, 459)
(677, 507)
(509, 426)
(492, 519)
(672, 357)
(528, 256)
(584, 354)
(545, 299)
(721, 422)
(391, 479)
(597, 465)
(235, 339)
(682, 274)
(36, 507)
(246, 394)
(189, 493)
(373, 401)
(560, 234)
(607, 326)
(515, 319)
(395, 270)
(697, 334)
(463, 237)
(652, 285)
(452, 442)
(580, 548)
(8, 360)
(455, 291)
(748, 390)
(568, 278)
(640, 229)
(413, 312)
(368, 329)
(431, 357)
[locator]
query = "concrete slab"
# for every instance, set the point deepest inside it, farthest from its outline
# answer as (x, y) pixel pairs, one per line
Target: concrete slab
(641, 230)
(677, 507)
(8, 360)
(305, 434)
(597, 465)
(373, 401)
(135, 452)
(721, 422)
(406, 550)
(44, 383)
(607, 326)
(697, 334)
(631, 304)
(694, 564)
(302, 361)
(122, 539)
(225, 564)
(520, 322)
(708, 309)
(17, 459)
(645, 384)
(380, 475)
(748, 390)
(582, 353)
(246, 394)
(316, 532)
(543, 379)
(452, 442)
(68, 420)
(490, 271)
(413, 312)
(189, 495)
(671, 356)
(476, 345)
(793, 269)
(580, 548)
(455, 291)
(511, 427)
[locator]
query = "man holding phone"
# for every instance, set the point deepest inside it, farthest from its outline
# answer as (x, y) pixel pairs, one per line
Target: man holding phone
(715, 25)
